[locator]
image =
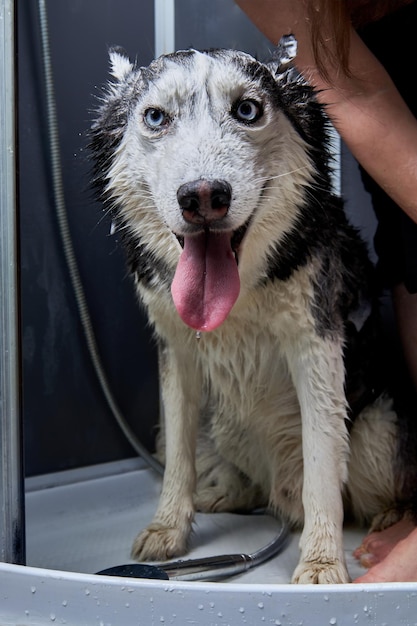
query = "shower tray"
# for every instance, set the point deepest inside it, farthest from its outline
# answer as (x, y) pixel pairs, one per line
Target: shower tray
(82, 521)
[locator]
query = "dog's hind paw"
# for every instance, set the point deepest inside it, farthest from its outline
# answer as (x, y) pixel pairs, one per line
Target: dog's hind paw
(209, 501)
(390, 516)
(159, 543)
(222, 487)
(215, 500)
(318, 572)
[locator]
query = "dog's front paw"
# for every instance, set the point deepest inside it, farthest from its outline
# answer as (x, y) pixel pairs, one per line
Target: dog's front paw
(319, 572)
(159, 543)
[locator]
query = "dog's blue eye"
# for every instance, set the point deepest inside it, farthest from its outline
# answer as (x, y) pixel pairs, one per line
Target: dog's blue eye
(248, 111)
(155, 119)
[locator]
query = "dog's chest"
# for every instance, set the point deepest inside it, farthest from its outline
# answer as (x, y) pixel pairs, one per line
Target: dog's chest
(253, 408)
(247, 374)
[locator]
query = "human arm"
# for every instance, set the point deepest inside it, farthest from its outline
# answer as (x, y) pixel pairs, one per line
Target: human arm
(364, 106)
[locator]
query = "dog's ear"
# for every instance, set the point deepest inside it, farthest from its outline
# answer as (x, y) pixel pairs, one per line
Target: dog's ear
(283, 55)
(120, 65)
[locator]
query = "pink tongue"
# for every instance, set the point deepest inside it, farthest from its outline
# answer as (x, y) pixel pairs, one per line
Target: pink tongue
(206, 283)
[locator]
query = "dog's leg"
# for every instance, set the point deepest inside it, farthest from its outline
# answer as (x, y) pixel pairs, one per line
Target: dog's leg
(168, 533)
(318, 374)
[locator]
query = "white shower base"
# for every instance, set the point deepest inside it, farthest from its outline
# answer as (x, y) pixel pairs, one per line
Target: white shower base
(80, 522)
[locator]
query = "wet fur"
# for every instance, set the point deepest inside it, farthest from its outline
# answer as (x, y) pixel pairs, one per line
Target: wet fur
(264, 393)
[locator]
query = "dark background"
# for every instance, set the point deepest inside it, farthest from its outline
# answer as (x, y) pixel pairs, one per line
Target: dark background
(67, 422)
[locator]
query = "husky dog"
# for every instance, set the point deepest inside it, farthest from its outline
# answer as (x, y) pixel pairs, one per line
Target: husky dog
(216, 168)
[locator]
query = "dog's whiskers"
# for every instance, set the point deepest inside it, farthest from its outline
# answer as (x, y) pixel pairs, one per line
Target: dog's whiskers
(263, 179)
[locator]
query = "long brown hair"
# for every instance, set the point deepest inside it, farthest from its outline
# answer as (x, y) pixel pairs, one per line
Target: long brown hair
(330, 22)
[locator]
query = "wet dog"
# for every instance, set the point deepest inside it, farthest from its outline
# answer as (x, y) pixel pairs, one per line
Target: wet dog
(216, 168)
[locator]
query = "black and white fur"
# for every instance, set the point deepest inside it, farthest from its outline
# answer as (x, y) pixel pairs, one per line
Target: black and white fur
(265, 391)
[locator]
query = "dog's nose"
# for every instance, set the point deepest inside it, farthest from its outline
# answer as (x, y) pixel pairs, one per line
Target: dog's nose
(202, 201)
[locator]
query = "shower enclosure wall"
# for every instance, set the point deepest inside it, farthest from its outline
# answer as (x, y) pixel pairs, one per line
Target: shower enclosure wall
(54, 417)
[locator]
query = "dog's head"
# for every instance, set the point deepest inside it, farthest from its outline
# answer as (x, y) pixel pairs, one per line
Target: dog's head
(200, 150)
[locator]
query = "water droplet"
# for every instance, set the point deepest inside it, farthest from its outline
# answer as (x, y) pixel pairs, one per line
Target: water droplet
(52, 617)
(241, 610)
(198, 335)
(87, 592)
(64, 603)
(200, 607)
(333, 621)
(260, 605)
(33, 589)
